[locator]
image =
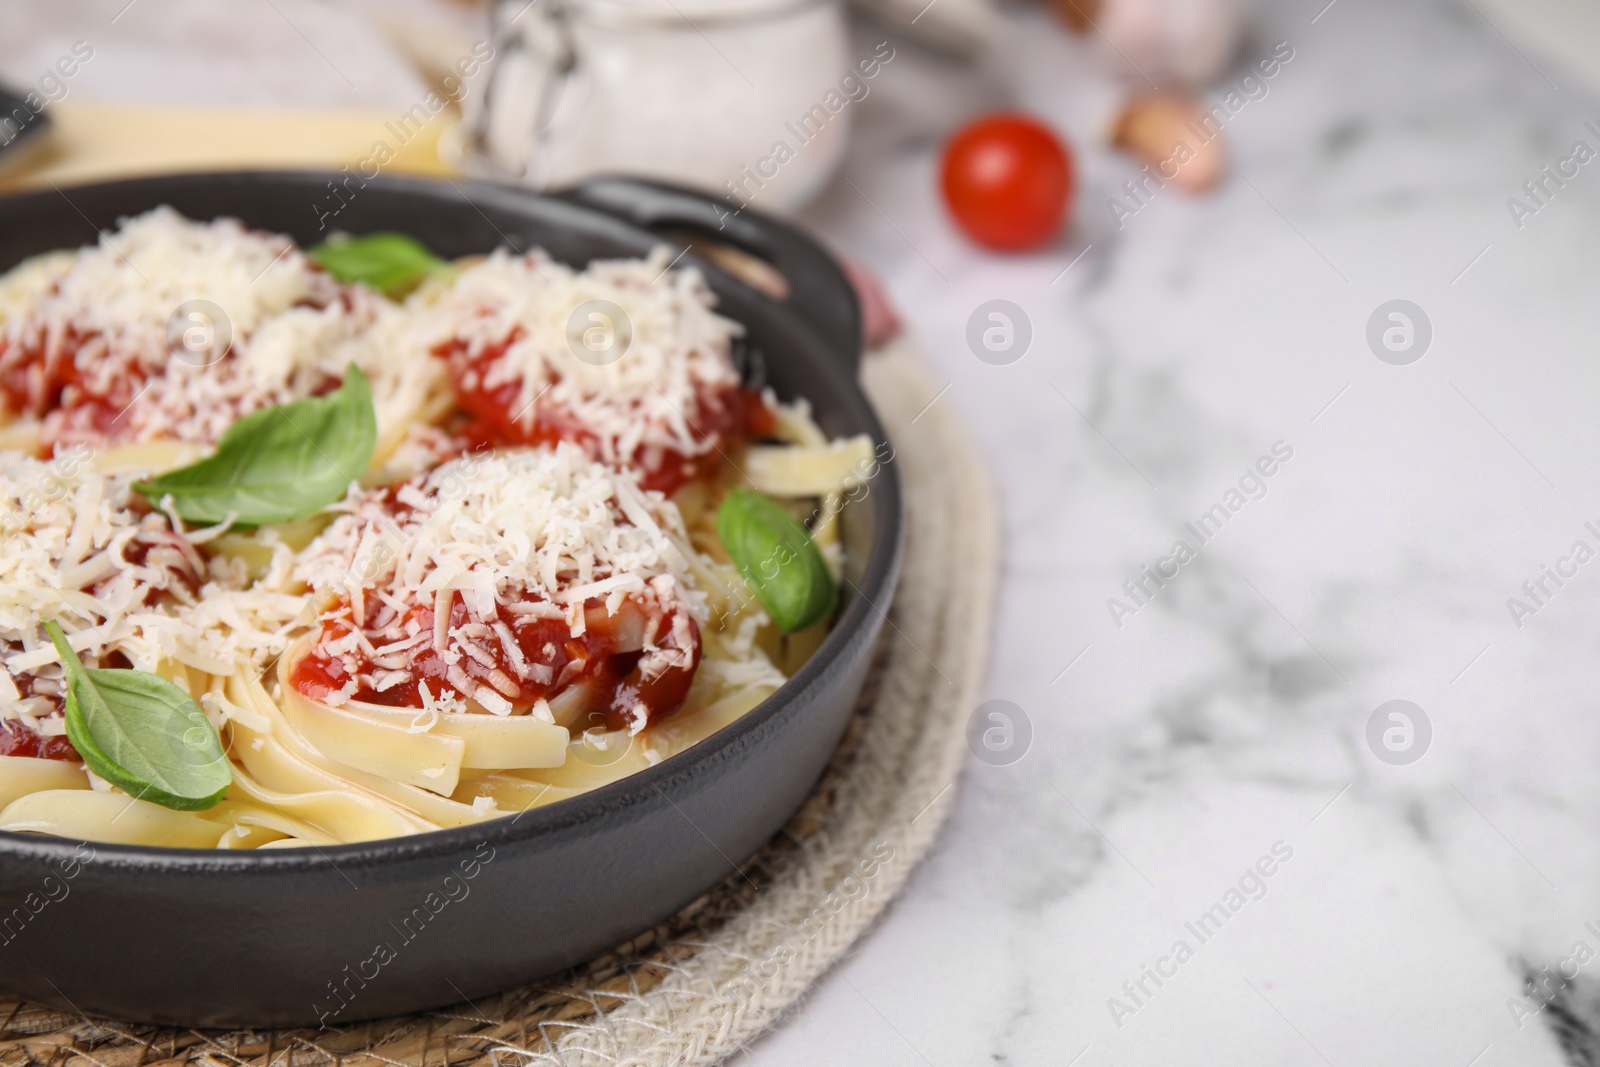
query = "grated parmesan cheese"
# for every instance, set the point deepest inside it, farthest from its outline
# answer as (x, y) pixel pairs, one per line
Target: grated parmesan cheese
(110, 309)
(538, 532)
(550, 523)
(82, 549)
(649, 398)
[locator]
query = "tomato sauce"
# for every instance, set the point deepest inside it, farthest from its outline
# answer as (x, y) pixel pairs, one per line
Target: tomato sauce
(39, 380)
(175, 564)
(36, 382)
(555, 660)
(19, 739)
(722, 418)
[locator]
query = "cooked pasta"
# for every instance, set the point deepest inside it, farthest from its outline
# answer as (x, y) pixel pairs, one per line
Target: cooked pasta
(525, 586)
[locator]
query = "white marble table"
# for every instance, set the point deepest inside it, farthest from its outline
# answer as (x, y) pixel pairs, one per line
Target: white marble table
(1230, 712)
(1228, 715)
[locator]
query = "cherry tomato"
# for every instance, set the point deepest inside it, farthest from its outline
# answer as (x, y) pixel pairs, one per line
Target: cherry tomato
(1007, 180)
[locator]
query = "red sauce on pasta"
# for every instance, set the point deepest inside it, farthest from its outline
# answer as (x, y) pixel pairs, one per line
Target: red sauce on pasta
(42, 377)
(19, 739)
(722, 418)
(37, 379)
(553, 661)
(158, 549)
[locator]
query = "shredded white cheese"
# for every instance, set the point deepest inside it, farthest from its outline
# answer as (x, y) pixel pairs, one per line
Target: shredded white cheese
(120, 312)
(648, 395)
(81, 548)
(540, 533)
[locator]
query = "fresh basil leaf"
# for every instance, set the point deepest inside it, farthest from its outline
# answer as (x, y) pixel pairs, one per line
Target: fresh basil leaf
(279, 463)
(142, 734)
(392, 263)
(779, 561)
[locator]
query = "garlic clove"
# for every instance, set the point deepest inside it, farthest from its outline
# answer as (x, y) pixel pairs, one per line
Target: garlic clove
(1171, 134)
(1165, 42)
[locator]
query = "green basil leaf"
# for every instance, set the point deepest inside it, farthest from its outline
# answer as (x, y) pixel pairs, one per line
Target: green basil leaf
(779, 561)
(279, 463)
(142, 734)
(392, 263)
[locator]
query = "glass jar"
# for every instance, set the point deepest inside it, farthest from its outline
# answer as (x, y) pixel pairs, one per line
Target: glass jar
(732, 96)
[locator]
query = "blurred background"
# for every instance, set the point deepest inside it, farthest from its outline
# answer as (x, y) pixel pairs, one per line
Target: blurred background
(1353, 231)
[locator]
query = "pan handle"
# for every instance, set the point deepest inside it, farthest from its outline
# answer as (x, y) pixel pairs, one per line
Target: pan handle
(818, 287)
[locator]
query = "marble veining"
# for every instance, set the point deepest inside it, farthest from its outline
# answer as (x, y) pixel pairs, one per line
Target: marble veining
(1229, 712)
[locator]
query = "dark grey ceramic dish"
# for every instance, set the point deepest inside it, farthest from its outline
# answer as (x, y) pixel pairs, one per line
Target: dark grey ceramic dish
(213, 938)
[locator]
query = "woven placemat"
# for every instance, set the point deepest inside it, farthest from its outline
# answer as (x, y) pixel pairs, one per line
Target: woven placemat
(696, 988)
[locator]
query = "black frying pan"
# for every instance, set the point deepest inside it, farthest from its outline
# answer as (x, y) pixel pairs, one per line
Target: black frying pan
(211, 938)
